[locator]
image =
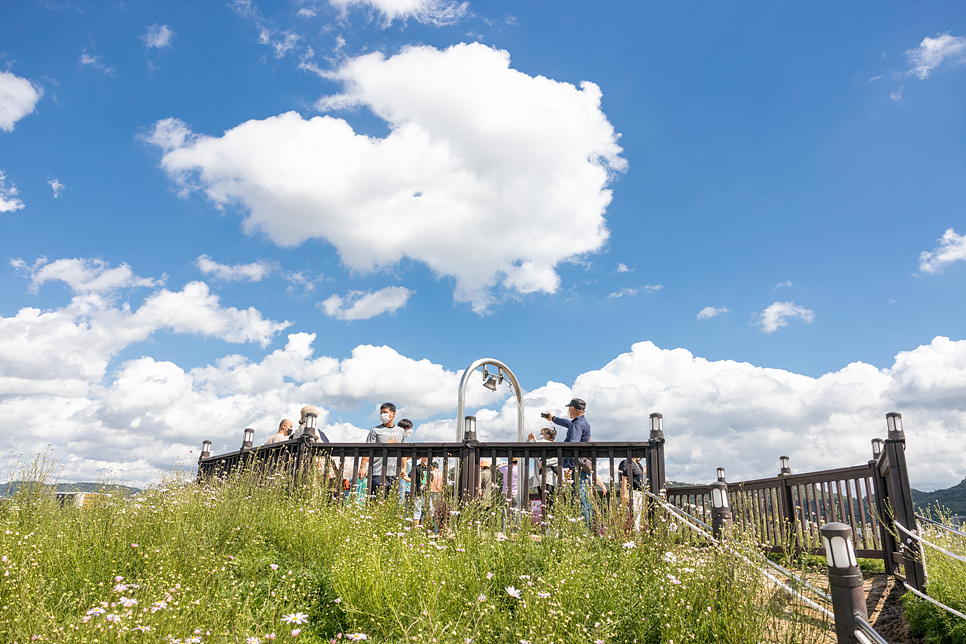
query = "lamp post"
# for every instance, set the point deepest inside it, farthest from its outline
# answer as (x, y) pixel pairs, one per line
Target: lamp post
(844, 580)
(469, 429)
(249, 438)
(655, 459)
(490, 383)
(720, 510)
(786, 467)
(876, 448)
(205, 449)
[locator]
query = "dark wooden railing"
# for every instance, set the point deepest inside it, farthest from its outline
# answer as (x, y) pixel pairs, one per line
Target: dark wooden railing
(784, 513)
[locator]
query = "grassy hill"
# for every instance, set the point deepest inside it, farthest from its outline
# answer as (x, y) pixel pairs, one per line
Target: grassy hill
(953, 498)
(8, 490)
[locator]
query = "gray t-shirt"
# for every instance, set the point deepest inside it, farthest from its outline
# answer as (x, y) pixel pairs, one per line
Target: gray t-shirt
(383, 434)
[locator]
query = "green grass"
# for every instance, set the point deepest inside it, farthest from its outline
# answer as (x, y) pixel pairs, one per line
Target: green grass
(946, 583)
(227, 561)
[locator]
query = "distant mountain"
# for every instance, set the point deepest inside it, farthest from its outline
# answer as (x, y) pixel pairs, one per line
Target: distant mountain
(953, 499)
(8, 490)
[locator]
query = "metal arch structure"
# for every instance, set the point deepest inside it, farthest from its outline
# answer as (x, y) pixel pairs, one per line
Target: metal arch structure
(461, 404)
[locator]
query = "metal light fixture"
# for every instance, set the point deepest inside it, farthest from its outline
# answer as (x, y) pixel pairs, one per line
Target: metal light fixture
(719, 494)
(469, 428)
(785, 465)
(839, 550)
(894, 423)
(249, 438)
(721, 474)
(876, 448)
(205, 449)
(657, 427)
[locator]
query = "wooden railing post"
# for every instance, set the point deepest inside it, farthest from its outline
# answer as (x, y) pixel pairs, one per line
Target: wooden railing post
(900, 500)
(469, 461)
(844, 580)
(789, 511)
(879, 465)
(655, 458)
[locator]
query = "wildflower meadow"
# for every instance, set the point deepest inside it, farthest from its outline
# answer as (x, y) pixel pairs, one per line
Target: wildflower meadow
(258, 559)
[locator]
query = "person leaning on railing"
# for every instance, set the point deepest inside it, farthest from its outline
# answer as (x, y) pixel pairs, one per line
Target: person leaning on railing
(283, 433)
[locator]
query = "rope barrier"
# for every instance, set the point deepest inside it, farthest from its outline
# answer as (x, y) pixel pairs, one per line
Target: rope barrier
(931, 600)
(772, 564)
(941, 525)
(931, 545)
(679, 513)
(865, 633)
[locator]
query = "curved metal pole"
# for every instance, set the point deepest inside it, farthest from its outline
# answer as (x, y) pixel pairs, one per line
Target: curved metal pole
(461, 404)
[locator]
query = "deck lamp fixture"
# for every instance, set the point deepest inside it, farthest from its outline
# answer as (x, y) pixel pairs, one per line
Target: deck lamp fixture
(719, 494)
(721, 474)
(876, 448)
(205, 449)
(839, 550)
(894, 423)
(311, 420)
(249, 438)
(786, 467)
(469, 428)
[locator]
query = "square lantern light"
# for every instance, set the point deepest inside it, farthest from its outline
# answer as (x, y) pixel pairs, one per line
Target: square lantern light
(786, 467)
(249, 438)
(656, 422)
(876, 448)
(205, 449)
(719, 495)
(721, 474)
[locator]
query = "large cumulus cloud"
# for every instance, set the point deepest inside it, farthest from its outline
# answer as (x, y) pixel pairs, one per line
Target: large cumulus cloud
(488, 175)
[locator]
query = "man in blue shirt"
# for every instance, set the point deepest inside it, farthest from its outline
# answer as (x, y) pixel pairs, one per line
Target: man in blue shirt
(578, 431)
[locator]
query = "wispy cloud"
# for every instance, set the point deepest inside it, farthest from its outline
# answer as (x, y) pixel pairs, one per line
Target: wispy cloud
(158, 36)
(359, 305)
(253, 272)
(933, 52)
(951, 248)
(622, 268)
(896, 95)
(299, 281)
(709, 312)
(634, 291)
(778, 314)
(436, 13)
(781, 284)
(88, 60)
(56, 186)
(8, 196)
(82, 275)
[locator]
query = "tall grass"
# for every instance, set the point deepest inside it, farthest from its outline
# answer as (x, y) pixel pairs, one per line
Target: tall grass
(946, 583)
(246, 557)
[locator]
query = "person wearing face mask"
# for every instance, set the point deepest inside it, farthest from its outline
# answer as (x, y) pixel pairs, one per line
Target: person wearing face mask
(387, 432)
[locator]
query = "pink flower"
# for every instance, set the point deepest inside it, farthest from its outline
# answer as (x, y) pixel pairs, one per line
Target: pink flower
(134, 545)
(270, 636)
(119, 579)
(296, 632)
(273, 566)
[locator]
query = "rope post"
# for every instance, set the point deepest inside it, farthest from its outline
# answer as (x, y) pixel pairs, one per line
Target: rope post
(900, 497)
(720, 510)
(655, 459)
(844, 580)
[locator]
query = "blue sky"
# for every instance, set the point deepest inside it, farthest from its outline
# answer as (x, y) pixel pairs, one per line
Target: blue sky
(423, 183)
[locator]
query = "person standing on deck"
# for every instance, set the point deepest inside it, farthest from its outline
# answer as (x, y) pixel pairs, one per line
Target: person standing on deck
(578, 431)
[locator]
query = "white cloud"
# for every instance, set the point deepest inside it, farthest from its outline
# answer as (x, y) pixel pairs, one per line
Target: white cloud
(149, 413)
(778, 313)
(253, 272)
(158, 36)
(8, 195)
(781, 284)
(951, 248)
(622, 268)
(477, 151)
(88, 60)
(428, 12)
(18, 98)
(358, 305)
(282, 44)
(56, 186)
(897, 95)
(933, 52)
(82, 275)
(709, 312)
(634, 291)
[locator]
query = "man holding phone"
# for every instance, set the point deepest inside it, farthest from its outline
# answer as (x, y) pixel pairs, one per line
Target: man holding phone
(578, 431)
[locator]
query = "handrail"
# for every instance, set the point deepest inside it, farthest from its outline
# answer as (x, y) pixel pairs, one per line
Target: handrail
(931, 545)
(864, 628)
(941, 525)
